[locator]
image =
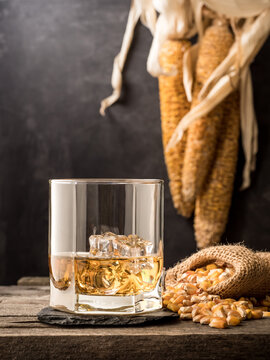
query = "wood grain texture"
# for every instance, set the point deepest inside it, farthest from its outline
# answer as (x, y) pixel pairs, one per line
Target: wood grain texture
(34, 281)
(22, 336)
(134, 347)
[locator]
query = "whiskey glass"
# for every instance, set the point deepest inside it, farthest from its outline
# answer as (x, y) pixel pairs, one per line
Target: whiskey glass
(106, 245)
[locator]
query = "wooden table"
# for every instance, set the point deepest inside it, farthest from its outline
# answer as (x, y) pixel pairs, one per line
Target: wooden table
(22, 336)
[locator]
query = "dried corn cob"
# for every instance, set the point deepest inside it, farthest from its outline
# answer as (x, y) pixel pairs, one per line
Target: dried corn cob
(202, 135)
(212, 206)
(173, 106)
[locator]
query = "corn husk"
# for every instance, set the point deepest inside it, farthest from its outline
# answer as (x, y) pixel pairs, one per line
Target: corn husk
(175, 21)
(189, 64)
(139, 9)
(238, 8)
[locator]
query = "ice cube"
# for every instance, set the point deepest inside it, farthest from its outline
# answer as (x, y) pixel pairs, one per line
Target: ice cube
(101, 245)
(145, 247)
(111, 245)
(121, 247)
(139, 246)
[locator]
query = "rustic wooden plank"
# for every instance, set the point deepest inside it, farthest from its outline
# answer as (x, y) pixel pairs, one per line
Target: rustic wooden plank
(15, 290)
(33, 300)
(23, 300)
(7, 322)
(21, 333)
(34, 281)
(176, 328)
(21, 309)
(216, 346)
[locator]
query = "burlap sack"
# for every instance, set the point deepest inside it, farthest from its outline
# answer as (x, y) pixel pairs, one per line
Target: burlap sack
(251, 276)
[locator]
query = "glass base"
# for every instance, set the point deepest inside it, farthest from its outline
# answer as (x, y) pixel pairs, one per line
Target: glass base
(132, 304)
(107, 304)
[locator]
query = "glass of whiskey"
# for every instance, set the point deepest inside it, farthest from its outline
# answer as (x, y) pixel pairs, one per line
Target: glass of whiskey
(106, 245)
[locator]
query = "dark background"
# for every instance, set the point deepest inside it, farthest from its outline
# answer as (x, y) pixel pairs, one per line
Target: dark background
(56, 60)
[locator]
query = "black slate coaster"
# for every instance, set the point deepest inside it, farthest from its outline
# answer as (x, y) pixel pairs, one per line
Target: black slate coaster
(52, 316)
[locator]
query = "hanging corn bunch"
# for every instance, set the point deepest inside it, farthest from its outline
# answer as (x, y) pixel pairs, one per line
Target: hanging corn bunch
(201, 141)
(173, 106)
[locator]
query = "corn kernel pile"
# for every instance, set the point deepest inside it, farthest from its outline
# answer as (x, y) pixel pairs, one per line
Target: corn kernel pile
(192, 301)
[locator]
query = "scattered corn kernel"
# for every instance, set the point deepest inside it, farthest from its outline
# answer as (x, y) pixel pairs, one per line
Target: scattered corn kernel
(192, 301)
(219, 323)
(185, 309)
(186, 316)
(187, 302)
(173, 307)
(191, 289)
(179, 299)
(233, 320)
(257, 314)
(242, 312)
(205, 284)
(197, 318)
(205, 320)
(220, 313)
(248, 314)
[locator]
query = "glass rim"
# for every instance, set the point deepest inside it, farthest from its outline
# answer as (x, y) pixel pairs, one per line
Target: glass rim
(107, 181)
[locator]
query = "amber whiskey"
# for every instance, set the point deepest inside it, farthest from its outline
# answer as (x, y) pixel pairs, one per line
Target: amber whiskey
(99, 276)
